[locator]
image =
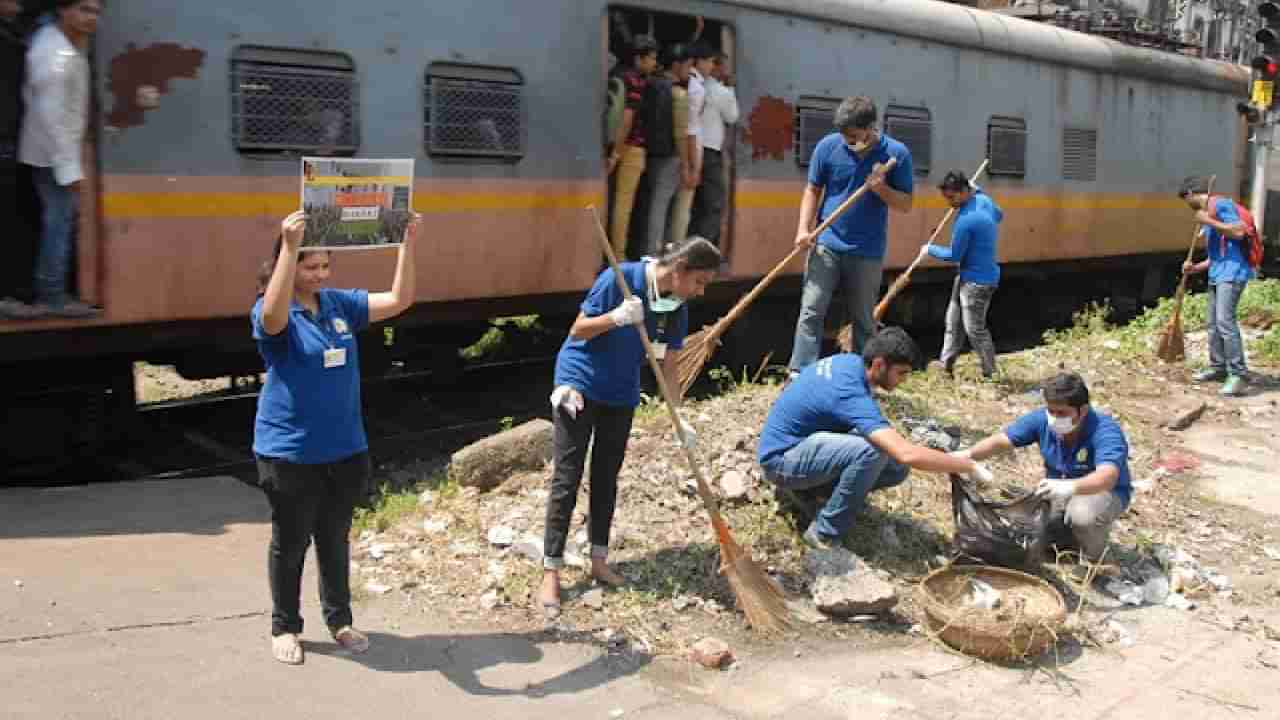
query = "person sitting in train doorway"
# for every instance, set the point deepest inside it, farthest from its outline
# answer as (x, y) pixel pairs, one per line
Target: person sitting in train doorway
(1229, 272)
(628, 154)
(826, 430)
(974, 247)
(597, 389)
(56, 118)
(308, 436)
(1086, 463)
(850, 252)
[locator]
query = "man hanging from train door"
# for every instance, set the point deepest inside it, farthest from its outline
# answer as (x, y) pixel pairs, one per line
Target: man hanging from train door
(16, 251)
(851, 251)
(628, 156)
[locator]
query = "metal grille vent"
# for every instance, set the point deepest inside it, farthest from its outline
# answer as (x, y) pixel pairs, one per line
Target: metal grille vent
(1080, 154)
(912, 127)
(474, 111)
(814, 121)
(1007, 146)
(294, 109)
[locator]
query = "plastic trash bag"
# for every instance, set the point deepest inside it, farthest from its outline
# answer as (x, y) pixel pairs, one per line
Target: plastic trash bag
(1012, 534)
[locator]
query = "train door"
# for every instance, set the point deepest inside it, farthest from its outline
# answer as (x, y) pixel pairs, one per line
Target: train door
(621, 26)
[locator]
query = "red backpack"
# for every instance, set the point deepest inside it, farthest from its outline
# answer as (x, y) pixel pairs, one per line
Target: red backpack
(1252, 240)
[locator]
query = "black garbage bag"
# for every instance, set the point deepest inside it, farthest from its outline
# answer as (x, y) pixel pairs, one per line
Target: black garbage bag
(1013, 534)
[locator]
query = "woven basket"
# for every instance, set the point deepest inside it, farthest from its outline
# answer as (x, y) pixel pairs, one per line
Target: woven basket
(1025, 623)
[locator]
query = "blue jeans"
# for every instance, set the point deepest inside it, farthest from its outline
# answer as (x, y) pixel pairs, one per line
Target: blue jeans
(825, 271)
(57, 224)
(856, 466)
(1226, 348)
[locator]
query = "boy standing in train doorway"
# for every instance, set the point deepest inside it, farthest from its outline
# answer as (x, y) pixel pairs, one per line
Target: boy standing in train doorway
(851, 251)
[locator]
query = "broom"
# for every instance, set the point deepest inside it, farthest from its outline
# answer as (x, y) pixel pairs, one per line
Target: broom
(760, 598)
(699, 346)
(1170, 347)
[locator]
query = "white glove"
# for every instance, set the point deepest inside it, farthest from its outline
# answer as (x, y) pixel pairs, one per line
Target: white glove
(628, 312)
(567, 398)
(980, 472)
(1056, 490)
(924, 251)
(690, 435)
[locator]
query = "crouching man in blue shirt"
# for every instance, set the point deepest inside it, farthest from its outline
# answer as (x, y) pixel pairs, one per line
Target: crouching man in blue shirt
(826, 428)
(1086, 463)
(973, 248)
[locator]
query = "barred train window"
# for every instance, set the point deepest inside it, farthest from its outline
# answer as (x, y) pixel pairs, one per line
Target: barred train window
(913, 127)
(814, 120)
(1007, 146)
(1080, 154)
(473, 111)
(294, 102)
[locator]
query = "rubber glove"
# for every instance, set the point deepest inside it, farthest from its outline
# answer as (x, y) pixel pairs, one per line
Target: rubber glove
(567, 398)
(1056, 490)
(628, 312)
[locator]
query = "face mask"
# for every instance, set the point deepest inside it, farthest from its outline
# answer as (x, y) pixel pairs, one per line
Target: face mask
(658, 303)
(1060, 425)
(860, 147)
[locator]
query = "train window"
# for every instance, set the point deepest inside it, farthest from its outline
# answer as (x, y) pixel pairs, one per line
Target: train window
(913, 127)
(1007, 146)
(294, 101)
(815, 119)
(473, 111)
(1080, 154)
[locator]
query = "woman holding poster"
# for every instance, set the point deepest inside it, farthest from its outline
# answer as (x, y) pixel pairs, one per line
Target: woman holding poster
(308, 436)
(597, 388)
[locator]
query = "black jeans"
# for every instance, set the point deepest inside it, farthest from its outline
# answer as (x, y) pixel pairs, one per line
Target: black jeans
(311, 501)
(20, 211)
(612, 427)
(708, 204)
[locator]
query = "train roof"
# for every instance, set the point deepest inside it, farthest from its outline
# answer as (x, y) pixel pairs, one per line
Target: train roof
(964, 26)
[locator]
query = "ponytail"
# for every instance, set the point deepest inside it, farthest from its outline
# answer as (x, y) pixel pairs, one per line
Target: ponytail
(696, 253)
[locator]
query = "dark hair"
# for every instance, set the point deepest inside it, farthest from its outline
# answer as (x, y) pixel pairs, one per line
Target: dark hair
(1066, 389)
(894, 345)
(268, 266)
(696, 253)
(642, 45)
(720, 58)
(955, 181)
(64, 4)
(1193, 185)
(856, 113)
(701, 51)
(672, 54)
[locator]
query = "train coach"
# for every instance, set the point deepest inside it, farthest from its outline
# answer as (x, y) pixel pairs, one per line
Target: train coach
(203, 110)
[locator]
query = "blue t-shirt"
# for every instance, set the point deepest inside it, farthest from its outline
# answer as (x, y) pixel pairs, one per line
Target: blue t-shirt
(606, 368)
(831, 395)
(307, 413)
(861, 231)
(974, 241)
(1101, 442)
(1227, 259)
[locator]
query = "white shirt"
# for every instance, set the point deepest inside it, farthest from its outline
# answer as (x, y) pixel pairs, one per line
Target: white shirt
(57, 105)
(721, 109)
(697, 100)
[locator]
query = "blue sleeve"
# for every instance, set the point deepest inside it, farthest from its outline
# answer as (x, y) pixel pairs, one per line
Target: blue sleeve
(819, 168)
(1026, 429)
(675, 337)
(1109, 445)
(1225, 211)
(901, 177)
(603, 295)
(354, 305)
(960, 236)
(259, 332)
(862, 414)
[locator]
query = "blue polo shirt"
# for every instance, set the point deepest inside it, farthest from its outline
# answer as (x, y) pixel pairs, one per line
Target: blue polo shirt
(307, 413)
(863, 230)
(1227, 259)
(1101, 442)
(831, 395)
(974, 242)
(606, 368)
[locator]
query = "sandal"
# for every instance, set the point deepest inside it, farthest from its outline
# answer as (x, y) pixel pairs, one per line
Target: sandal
(287, 649)
(351, 640)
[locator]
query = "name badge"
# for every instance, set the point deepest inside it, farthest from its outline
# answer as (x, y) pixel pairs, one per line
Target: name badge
(335, 357)
(660, 350)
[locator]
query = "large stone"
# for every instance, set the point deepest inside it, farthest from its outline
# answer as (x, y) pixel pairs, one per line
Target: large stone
(843, 584)
(734, 485)
(711, 653)
(487, 463)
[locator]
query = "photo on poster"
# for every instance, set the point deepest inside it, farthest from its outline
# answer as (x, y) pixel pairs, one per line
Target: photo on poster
(354, 203)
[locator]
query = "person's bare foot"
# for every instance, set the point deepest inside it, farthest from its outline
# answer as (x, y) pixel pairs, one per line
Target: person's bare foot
(287, 649)
(549, 593)
(603, 573)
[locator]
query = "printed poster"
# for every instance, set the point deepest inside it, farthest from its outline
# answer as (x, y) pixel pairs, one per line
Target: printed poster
(354, 203)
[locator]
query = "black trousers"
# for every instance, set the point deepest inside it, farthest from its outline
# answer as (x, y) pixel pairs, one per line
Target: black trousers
(611, 426)
(311, 501)
(19, 218)
(708, 203)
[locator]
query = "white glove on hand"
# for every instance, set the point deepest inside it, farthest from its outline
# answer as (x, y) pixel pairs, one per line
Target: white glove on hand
(980, 472)
(567, 398)
(690, 435)
(924, 252)
(629, 312)
(1056, 490)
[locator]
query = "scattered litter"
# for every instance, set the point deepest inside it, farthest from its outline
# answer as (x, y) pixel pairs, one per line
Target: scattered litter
(490, 600)
(17, 583)
(1116, 633)
(711, 653)
(594, 599)
(1156, 590)
(617, 713)
(683, 602)
(1126, 592)
(434, 526)
(377, 588)
(982, 595)
(1111, 344)
(501, 536)
(1179, 601)
(1271, 553)
(426, 498)
(929, 432)
(1218, 581)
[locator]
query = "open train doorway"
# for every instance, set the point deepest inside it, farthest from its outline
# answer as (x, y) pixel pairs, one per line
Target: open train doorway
(637, 170)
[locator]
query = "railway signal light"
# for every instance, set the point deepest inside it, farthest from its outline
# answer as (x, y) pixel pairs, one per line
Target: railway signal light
(1269, 35)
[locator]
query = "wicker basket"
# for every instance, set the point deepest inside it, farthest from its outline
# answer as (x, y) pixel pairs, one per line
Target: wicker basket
(1024, 624)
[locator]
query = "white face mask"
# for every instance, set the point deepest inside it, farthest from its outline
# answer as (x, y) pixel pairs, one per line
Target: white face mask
(1060, 425)
(657, 303)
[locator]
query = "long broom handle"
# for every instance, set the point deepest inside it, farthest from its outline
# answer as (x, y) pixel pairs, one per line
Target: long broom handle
(777, 269)
(1195, 237)
(901, 281)
(704, 490)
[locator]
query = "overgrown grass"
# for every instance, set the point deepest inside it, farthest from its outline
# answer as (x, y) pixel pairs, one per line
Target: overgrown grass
(496, 336)
(391, 505)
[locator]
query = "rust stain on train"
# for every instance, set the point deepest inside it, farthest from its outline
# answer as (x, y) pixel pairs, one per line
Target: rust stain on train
(138, 76)
(770, 128)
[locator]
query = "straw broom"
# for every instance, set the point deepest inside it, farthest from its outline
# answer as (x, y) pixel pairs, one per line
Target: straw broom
(761, 599)
(699, 346)
(1170, 347)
